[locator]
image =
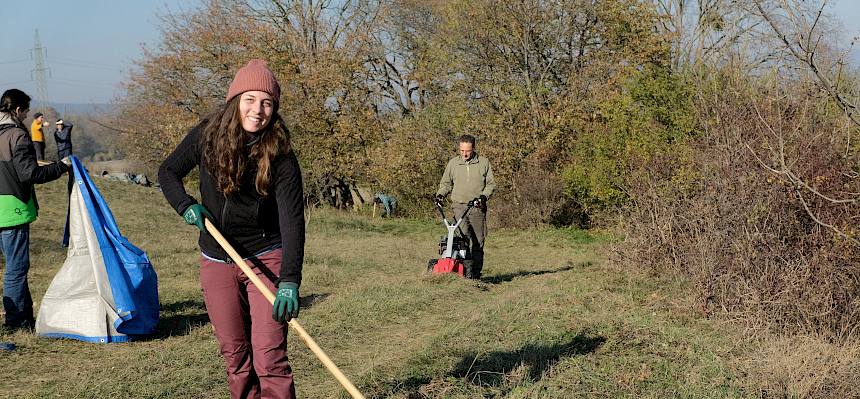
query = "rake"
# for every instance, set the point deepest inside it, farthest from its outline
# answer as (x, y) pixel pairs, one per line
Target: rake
(312, 345)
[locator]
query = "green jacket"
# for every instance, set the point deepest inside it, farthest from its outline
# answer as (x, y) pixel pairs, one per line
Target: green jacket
(18, 172)
(466, 180)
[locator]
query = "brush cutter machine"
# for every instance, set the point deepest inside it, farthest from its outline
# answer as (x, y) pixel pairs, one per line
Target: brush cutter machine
(454, 249)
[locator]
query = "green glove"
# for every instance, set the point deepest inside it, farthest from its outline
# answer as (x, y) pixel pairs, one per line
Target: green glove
(286, 304)
(194, 216)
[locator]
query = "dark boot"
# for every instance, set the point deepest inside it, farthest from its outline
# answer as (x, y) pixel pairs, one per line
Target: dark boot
(468, 268)
(476, 272)
(26, 325)
(477, 263)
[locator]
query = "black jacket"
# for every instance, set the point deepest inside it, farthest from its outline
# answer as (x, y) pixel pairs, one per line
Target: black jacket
(63, 137)
(250, 222)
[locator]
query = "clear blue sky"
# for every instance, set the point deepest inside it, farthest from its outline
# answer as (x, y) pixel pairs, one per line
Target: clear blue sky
(848, 13)
(91, 43)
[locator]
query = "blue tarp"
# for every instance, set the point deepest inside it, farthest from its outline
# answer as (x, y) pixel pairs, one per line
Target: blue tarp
(132, 279)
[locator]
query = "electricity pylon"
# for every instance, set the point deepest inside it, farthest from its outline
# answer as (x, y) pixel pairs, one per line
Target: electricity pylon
(40, 72)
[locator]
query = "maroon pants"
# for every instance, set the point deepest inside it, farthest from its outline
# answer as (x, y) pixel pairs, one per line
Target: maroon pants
(253, 344)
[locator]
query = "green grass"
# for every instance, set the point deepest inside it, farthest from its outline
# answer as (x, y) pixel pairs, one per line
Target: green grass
(551, 319)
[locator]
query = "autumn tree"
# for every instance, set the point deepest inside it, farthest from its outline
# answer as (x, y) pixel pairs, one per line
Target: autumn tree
(315, 48)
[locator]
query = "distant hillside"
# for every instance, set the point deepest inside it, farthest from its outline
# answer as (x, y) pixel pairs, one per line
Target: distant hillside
(75, 108)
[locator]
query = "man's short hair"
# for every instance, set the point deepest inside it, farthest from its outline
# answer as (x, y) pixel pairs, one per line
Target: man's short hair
(467, 138)
(37, 115)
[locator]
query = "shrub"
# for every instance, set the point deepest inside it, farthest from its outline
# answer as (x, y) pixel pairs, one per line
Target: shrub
(653, 115)
(753, 241)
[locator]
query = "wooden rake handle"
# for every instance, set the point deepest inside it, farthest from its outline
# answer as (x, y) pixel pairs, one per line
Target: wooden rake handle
(332, 368)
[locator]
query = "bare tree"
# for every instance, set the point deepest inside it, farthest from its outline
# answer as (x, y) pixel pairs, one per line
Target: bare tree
(706, 31)
(799, 26)
(799, 29)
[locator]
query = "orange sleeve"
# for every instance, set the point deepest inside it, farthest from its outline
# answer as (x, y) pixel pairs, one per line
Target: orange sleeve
(36, 132)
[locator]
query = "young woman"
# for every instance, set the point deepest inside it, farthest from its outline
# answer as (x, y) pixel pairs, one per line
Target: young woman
(251, 189)
(18, 206)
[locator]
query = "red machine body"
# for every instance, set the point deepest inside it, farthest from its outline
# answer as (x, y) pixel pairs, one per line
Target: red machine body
(454, 250)
(449, 265)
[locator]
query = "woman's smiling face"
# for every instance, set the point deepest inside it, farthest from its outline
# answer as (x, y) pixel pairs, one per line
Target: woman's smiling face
(256, 109)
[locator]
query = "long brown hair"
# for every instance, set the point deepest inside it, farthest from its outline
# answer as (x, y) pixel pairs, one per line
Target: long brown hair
(228, 149)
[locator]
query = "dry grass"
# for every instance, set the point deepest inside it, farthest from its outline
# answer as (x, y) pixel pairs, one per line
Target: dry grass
(551, 319)
(805, 367)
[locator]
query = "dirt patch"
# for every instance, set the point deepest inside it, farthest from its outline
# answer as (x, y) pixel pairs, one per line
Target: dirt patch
(113, 166)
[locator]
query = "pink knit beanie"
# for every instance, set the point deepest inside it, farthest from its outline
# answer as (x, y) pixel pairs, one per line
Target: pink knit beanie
(254, 76)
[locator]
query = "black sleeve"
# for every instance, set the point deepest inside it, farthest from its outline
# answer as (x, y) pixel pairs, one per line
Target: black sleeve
(291, 218)
(29, 171)
(64, 135)
(175, 167)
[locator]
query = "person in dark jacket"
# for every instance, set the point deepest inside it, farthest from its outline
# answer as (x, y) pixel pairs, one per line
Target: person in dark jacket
(63, 137)
(19, 171)
(251, 190)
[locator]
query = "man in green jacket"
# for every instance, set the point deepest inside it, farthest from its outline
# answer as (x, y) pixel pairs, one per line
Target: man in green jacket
(469, 177)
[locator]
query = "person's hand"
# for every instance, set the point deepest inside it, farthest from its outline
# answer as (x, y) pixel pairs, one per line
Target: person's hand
(194, 216)
(286, 304)
(439, 200)
(67, 161)
(481, 201)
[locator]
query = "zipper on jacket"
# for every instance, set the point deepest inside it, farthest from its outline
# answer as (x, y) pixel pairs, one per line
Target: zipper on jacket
(224, 213)
(229, 260)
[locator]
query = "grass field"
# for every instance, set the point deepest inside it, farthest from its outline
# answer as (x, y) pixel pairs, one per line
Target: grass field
(550, 319)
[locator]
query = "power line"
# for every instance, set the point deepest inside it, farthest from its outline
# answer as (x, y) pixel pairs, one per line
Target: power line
(79, 83)
(82, 65)
(83, 82)
(13, 61)
(14, 83)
